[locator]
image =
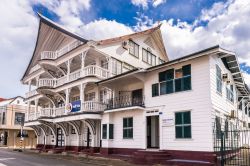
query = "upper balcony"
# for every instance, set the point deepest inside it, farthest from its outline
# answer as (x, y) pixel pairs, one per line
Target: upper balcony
(92, 70)
(58, 53)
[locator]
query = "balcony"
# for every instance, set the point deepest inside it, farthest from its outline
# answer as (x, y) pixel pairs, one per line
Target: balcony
(31, 93)
(58, 53)
(47, 83)
(91, 70)
(124, 102)
(93, 106)
(87, 106)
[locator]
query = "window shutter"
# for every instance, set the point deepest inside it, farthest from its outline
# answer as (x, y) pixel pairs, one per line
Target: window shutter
(111, 131)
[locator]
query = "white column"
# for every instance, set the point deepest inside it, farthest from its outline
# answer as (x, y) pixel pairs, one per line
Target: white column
(29, 85)
(82, 87)
(37, 81)
(67, 92)
(68, 69)
(109, 66)
(28, 111)
(36, 107)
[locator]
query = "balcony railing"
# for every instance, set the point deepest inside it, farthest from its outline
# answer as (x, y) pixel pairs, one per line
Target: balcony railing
(91, 70)
(93, 106)
(89, 106)
(47, 112)
(31, 93)
(56, 54)
(124, 101)
(45, 82)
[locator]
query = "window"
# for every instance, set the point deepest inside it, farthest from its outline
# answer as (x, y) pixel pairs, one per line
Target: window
(128, 128)
(103, 96)
(175, 80)
(19, 118)
(155, 90)
(116, 66)
(248, 125)
(218, 79)
(111, 131)
(75, 98)
(183, 124)
(230, 93)
(133, 49)
(148, 57)
(104, 131)
(104, 64)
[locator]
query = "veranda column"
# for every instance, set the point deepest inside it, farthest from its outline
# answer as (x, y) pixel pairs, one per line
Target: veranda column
(27, 111)
(67, 92)
(83, 55)
(36, 108)
(29, 85)
(68, 69)
(82, 87)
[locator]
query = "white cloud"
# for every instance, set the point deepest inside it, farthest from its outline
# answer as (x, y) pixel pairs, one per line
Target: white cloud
(144, 3)
(158, 2)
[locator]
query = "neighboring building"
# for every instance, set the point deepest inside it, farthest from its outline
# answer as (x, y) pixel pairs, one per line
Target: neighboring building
(123, 95)
(12, 113)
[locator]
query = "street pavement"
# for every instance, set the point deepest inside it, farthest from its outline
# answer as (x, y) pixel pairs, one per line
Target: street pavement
(14, 158)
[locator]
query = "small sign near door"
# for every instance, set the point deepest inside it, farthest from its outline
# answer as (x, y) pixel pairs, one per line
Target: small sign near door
(167, 122)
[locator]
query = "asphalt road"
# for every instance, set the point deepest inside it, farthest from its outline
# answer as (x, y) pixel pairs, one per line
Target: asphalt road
(14, 158)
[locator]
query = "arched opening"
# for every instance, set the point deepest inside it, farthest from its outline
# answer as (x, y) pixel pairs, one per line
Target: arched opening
(60, 138)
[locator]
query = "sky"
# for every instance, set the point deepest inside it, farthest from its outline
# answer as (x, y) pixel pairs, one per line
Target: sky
(187, 26)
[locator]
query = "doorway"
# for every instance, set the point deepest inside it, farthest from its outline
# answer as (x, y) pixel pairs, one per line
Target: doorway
(60, 141)
(152, 131)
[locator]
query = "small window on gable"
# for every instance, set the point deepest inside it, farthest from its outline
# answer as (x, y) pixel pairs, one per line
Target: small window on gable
(133, 49)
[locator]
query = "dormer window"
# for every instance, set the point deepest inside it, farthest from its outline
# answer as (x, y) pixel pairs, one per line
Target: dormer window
(133, 49)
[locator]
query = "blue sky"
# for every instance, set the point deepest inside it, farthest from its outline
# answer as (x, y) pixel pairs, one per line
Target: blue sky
(124, 11)
(187, 26)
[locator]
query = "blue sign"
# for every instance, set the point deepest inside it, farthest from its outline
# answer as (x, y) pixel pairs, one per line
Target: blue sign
(74, 106)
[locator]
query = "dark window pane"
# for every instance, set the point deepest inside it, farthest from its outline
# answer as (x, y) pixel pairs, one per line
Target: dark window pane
(111, 131)
(187, 118)
(187, 131)
(187, 83)
(124, 133)
(186, 70)
(170, 86)
(178, 87)
(124, 122)
(155, 90)
(163, 88)
(162, 76)
(178, 118)
(104, 131)
(130, 122)
(170, 74)
(130, 133)
(178, 132)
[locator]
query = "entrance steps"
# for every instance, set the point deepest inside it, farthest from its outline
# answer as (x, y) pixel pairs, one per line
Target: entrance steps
(151, 157)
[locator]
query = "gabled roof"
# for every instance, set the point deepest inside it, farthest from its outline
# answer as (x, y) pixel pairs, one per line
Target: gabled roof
(50, 37)
(155, 32)
(229, 59)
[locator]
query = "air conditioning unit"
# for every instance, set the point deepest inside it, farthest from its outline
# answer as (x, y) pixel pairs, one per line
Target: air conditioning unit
(233, 114)
(225, 76)
(125, 45)
(149, 49)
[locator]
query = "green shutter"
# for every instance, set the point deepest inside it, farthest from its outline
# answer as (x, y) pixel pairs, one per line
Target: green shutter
(111, 131)
(104, 131)
(155, 90)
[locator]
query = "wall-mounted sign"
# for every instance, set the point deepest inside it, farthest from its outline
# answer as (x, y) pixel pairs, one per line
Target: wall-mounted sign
(167, 122)
(74, 106)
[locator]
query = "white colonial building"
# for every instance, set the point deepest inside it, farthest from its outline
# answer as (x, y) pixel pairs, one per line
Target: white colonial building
(123, 96)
